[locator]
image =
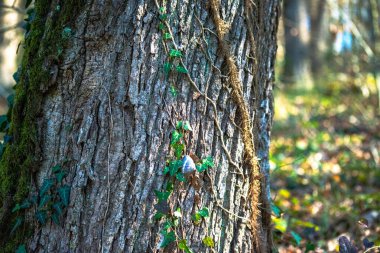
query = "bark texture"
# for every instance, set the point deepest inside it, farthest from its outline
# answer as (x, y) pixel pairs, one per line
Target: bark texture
(110, 113)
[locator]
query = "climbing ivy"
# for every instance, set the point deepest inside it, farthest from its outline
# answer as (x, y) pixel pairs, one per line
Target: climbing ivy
(179, 169)
(46, 36)
(48, 203)
(173, 62)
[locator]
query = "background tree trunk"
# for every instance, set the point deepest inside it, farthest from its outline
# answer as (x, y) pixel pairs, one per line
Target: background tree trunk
(11, 20)
(107, 116)
(297, 25)
(317, 10)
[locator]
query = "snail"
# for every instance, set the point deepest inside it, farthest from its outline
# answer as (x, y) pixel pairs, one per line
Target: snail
(188, 165)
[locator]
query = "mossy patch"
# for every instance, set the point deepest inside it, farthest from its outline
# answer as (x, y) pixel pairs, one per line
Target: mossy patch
(20, 158)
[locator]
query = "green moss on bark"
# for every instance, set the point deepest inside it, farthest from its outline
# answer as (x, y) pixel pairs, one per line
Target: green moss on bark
(20, 158)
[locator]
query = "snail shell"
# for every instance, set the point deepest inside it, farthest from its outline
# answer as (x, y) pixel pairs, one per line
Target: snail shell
(188, 165)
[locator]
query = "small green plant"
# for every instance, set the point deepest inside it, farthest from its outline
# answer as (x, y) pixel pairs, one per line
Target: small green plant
(21, 249)
(46, 37)
(174, 57)
(49, 203)
(178, 169)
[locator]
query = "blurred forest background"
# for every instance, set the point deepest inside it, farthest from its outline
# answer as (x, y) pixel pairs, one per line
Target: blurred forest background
(326, 132)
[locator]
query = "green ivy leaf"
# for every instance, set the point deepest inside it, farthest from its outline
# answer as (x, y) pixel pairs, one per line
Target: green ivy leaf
(168, 224)
(11, 100)
(58, 208)
(176, 136)
(163, 17)
(59, 50)
(175, 53)
(3, 122)
(57, 168)
(17, 224)
(208, 241)
(41, 216)
(66, 33)
(166, 170)
(159, 216)
(168, 238)
(60, 176)
(187, 126)
(197, 218)
(169, 187)
(21, 248)
(174, 166)
(16, 208)
(181, 69)
(162, 10)
(296, 237)
(161, 26)
(208, 161)
(16, 75)
(178, 149)
(276, 210)
(162, 196)
(55, 218)
(7, 138)
(167, 67)
(180, 177)
(24, 205)
(182, 245)
(179, 125)
(176, 222)
(46, 185)
(44, 199)
(204, 212)
(173, 91)
(64, 194)
(201, 167)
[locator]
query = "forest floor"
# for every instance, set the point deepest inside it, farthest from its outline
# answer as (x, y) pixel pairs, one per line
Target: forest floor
(325, 166)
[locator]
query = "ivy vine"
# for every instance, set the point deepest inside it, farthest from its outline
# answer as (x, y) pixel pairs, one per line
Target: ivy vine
(179, 169)
(48, 204)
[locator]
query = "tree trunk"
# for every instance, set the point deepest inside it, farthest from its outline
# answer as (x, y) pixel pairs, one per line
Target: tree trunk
(297, 36)
(103, 111)
(317, 10)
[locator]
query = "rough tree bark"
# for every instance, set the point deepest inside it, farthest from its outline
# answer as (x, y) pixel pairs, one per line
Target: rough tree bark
(105, 113)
